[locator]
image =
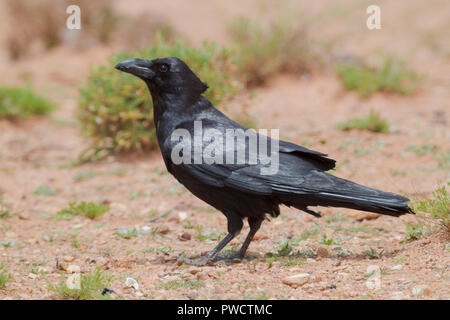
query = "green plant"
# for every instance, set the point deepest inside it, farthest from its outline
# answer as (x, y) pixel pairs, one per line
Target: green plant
(20, 103)
(373, 122)
(438, 207)
(116, 110)
(127, 233)
(372, 254)
(284, 248)
(175, 284)
(384, 73)
(84, 175)
(413, 232)
(44, 190)
(88, 209)
(4, 277)
(399, 260)
(421, 150)
(328, 241)
(282, 45)
(91, 286)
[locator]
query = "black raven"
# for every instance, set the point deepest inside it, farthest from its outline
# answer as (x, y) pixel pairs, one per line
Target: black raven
(240, 189)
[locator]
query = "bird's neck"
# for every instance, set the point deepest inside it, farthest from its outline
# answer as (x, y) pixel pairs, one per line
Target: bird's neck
(172, 109)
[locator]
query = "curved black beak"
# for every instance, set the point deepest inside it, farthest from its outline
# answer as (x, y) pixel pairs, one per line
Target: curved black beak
(138, 67)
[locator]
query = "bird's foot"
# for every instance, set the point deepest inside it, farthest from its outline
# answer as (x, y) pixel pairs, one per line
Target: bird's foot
(201, 261)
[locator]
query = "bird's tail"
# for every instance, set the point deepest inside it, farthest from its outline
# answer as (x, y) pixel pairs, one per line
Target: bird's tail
(330, 191)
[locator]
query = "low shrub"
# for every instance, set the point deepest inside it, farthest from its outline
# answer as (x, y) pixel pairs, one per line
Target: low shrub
(383, 73)
(373, 122)
(262, 50)
(20, 103)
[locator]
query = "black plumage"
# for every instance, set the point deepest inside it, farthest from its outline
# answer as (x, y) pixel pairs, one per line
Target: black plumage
(240, 190)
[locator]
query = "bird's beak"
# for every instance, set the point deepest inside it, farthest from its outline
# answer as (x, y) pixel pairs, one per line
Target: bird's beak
(138, 67)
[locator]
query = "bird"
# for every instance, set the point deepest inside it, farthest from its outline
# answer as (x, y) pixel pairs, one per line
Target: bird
(240, 189)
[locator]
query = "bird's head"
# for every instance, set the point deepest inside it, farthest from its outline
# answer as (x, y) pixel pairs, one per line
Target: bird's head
(164, 75)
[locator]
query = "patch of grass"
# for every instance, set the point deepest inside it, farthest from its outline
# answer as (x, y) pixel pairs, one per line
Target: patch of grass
(44, 190)
(8, 244)
(413, 232)
(21, 103)
(372, 254)
(75, 243)
(292, 262)
(383, 73)
(399, 260)
(5, 277)
(84, 175)
(91, 287)
(420, 150)
(127, 233)
(176, 284)
(4, 210)
(442, 156)
(261, 50)
(115, 108)
(88, 209)
(373, 122)
(284, 248)
(438, 207)
(328, 241)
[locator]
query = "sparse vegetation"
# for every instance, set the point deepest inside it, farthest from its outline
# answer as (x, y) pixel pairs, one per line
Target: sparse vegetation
(44, 190)
(5, 277)
(42, 26)
(88, 209)
(261, 50)
(20, 103)
(373, 122)
(176, 284)
(284, 248)
(92, 285)
(413, 232)
(438, 207)
(328, 241)
(127, 233)
(116, 110)
(4, 210)
(372, 254)
(383, 73)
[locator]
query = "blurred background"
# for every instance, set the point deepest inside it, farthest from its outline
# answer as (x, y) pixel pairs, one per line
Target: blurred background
(73, 129)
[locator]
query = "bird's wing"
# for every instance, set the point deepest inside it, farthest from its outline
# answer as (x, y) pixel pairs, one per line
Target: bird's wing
(294, 163)
(319, 159)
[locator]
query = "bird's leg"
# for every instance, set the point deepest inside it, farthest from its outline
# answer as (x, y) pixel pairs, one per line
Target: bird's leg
(234, 228)
(255, 224)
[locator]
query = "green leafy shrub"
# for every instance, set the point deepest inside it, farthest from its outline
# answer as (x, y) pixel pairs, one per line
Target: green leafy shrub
(385, 73)
(88, 209)
(21, 103)
(373, 122)
(116, 110)
(263, 50)
(439, 207)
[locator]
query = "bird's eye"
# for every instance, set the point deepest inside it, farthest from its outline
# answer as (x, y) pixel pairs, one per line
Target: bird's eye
(164, 68)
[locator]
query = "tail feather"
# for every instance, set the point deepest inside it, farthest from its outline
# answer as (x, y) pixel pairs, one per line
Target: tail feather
(321, 189)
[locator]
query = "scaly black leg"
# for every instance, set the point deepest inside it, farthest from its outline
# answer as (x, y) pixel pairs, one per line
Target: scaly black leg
(255, 224)
(234, 228)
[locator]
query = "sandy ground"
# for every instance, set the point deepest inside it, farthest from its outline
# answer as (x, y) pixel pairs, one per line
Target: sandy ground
(34, 153)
